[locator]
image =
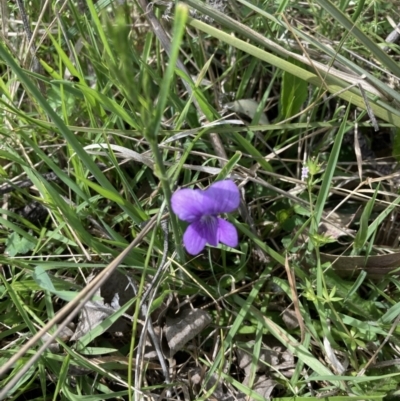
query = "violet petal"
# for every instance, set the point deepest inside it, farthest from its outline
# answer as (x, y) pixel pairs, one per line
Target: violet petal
(220, 197)
(200, 233)
(194, 243)
(227, 233)
(187, 204)
(208, 226)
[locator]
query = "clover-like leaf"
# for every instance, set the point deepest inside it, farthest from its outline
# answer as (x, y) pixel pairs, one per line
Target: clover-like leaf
(17, 245)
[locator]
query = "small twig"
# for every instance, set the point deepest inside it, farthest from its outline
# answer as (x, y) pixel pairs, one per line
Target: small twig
(148, 327)
(27, 28)
(295, 298)
(164, 228)
(28, 32)
(393, 37)
(369, 110)
(357, 149)
(148, 324)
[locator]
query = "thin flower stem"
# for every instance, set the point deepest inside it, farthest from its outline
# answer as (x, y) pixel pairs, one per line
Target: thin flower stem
(165, 183)
(151, 132)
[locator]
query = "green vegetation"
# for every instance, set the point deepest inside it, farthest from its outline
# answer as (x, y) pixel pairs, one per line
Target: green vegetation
(112, 107)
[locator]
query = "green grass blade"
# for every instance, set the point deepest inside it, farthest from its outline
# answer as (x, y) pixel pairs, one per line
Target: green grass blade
(362, 234)
(360, 35)
(328, 175)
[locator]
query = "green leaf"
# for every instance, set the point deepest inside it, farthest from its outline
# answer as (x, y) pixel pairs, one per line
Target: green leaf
(16, 245)
(328, 175)
(362, 234)
(294, 93)
(249, 148)
(228, 168)
(43, 281)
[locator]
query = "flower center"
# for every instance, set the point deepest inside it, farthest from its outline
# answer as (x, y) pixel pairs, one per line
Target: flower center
(209, 222)
(208, 229)
(207, 219)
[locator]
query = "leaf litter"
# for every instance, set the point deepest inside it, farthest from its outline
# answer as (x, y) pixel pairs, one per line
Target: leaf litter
(176, 328)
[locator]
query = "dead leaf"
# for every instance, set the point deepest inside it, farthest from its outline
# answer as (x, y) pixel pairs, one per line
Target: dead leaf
(271, 359)
(272, 355)
(216, 383)
(376, 266)
(264, 386)
(248, 107)
(333, 227)
(290, 319)
(179, 330)
(92, 314)
(116, 292)
(330, 356)
(333, 231)
(65, 335)
(267, 356)
(118, 283)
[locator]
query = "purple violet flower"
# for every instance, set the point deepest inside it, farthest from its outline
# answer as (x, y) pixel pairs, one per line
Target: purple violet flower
(201, 210)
